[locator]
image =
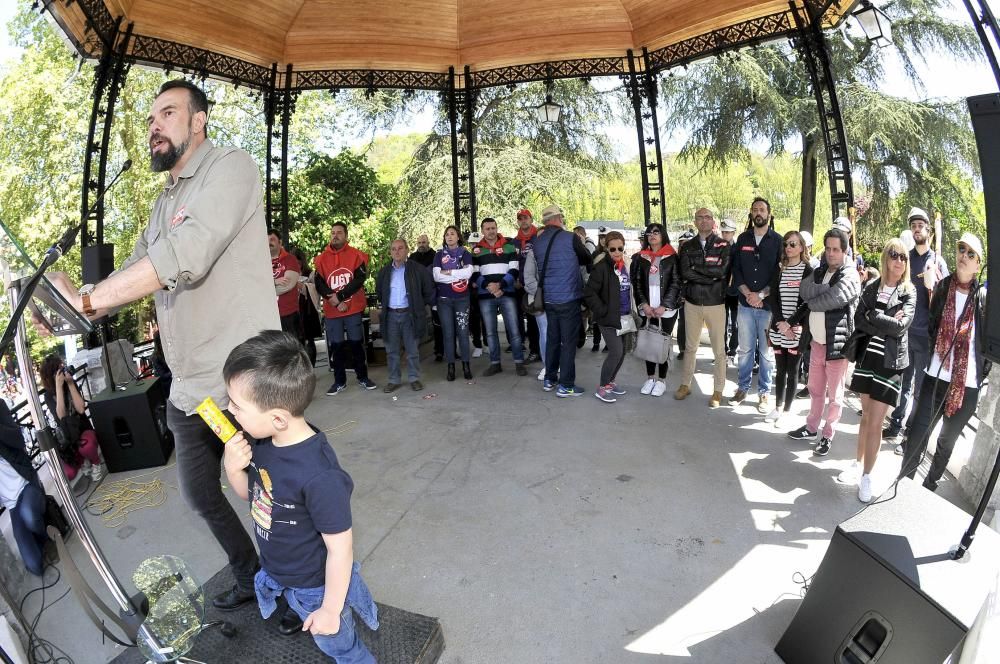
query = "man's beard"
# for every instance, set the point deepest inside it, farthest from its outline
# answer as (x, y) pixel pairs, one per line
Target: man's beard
(760, 221)
(164, 161)
(922, 241)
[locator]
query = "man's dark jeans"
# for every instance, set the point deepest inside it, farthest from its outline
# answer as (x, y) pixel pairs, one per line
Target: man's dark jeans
(913, 379)
(199, 456)
(560, 344)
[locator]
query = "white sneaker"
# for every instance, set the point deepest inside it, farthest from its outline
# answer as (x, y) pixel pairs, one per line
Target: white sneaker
(477, 352)
(647, 387)
(851, 475)
(865, 489)
(541, 374)
(780, 420)
(659, 388)
(97, 472)
(772, 416)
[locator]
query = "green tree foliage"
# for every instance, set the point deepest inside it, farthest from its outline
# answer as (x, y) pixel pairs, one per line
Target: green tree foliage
(763, 95)
(341, 188)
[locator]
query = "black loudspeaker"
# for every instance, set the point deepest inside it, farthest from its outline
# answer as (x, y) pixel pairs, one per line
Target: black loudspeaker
(98, 262)
(888, 591)
(131, 426)
(985, 112)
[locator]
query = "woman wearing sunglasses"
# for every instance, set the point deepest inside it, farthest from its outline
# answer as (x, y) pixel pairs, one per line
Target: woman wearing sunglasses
(608, 293)
(656, 288)
(884, 313)
(785, 339)
(958, 366)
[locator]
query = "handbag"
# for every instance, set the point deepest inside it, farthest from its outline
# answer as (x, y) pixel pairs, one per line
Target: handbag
(855, 346)
(627, 325)
(54, 516)
(536, 305)
(652, 344)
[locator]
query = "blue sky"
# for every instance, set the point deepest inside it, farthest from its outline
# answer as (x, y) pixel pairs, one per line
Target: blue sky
(942, 78)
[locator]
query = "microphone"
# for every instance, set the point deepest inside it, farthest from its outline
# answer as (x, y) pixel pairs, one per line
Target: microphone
(65, 243)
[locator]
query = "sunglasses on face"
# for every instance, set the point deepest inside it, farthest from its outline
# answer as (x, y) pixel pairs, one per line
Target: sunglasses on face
(966, 251)
(896, 256)
(616, 249)
(791, 243)
(653, 232)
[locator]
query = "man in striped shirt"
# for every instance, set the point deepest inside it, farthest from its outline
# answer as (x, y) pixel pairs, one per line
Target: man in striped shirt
(495, 261)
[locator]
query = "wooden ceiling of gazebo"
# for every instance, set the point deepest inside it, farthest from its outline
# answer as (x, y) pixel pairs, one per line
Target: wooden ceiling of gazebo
(422, 35)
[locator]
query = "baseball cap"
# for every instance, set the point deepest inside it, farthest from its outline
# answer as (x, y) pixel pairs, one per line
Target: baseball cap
(525, 212)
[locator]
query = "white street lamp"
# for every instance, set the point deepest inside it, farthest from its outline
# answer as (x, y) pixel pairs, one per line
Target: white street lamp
(875, 23)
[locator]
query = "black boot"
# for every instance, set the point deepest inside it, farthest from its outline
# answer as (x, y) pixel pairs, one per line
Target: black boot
(451, 371)
(466, 371)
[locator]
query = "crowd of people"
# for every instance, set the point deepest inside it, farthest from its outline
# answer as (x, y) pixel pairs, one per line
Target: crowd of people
(771, 308)
(913, 331)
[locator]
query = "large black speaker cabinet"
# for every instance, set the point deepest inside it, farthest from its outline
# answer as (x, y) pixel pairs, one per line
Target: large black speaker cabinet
(98, 261)
(985, 111)
(131, 426)
(887, 590)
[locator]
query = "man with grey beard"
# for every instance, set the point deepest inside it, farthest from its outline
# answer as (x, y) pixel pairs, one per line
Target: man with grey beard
(205, 256)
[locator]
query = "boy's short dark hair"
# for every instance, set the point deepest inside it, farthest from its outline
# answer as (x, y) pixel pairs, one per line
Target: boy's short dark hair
(276, 369)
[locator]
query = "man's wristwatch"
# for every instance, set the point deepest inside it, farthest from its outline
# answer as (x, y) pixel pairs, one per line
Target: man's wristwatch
(85, 292)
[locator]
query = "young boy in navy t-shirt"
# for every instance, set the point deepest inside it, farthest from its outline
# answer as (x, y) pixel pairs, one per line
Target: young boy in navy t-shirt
(300, 497)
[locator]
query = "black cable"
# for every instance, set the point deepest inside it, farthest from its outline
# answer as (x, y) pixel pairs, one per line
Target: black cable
(40, 650)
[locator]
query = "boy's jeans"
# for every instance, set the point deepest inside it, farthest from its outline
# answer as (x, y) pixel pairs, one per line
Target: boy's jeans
(344, 647)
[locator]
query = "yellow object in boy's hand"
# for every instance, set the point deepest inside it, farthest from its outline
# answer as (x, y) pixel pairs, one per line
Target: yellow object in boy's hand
(215, 419)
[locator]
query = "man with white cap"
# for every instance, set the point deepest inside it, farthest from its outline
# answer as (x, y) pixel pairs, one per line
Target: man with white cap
(926, 270)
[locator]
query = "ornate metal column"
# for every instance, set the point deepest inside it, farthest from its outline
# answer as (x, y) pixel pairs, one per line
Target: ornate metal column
(461, 106)
(109, 77)
(812, 45)
(642, 92)
(279, 104)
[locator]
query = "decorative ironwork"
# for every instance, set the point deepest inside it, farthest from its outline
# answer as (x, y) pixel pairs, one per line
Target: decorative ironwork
(812, 45)
(279, 104)
(99, 19)
(461, 107)
(541, 71)
(198, 61)
(324, 79)
(109, 78)
(728, 38)
(642, 91)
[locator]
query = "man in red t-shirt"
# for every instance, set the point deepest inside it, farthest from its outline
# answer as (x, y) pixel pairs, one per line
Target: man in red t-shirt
(340, 280)
(286, 270)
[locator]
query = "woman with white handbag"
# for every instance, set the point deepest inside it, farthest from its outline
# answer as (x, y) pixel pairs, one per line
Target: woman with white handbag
(656, 287)
(608, 294)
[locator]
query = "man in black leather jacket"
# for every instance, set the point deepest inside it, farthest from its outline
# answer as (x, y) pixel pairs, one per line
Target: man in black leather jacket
(704, 265)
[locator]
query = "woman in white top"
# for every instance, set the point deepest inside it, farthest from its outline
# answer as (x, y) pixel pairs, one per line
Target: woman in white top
(958, 365)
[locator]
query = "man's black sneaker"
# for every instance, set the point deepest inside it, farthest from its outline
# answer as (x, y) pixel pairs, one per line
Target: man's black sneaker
(335, 388)
(233, 599)
(532, 357)
(802, 433)
(367, 384)
(803, 393)
(822, 447)
(891, 432)
(492, 370)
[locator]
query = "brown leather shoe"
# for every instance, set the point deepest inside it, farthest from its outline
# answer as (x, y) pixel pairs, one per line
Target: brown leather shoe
(737, 398)
(390, 387)
(417, 385)
(682, 392)
(716, 400)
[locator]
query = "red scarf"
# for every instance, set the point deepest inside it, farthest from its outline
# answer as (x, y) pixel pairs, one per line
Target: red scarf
(620, 265)
(961, 332)
(665, 250)
(525, 237)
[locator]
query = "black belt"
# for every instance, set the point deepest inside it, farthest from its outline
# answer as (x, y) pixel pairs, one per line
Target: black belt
(399, 310)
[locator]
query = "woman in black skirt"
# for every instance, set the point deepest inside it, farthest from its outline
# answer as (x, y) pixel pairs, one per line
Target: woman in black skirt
(884, 313)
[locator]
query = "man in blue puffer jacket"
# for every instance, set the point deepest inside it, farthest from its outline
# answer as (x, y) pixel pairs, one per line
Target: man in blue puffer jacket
(555, 263)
